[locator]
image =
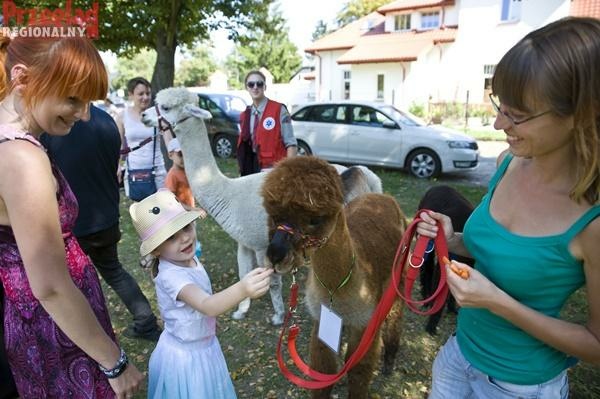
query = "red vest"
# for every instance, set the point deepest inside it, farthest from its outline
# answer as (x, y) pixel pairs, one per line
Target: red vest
(267, 137)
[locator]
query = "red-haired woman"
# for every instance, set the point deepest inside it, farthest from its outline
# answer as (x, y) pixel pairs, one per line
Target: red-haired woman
(58, 335)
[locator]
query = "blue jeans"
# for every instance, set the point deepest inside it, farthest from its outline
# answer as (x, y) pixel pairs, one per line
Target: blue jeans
(454, 377)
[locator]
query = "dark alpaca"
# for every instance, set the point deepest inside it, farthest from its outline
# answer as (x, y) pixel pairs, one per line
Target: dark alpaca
(304, 194)
(446, 200)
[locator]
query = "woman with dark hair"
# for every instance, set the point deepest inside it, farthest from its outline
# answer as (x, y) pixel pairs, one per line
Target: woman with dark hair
(266, 133)
(535, 235)
(141, 144)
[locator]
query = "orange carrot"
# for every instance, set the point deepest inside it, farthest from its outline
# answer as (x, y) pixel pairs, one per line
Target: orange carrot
(463, 273)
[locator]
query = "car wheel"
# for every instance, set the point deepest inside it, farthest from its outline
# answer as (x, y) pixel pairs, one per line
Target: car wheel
(303, 148)
(223, 146)
(423, 164)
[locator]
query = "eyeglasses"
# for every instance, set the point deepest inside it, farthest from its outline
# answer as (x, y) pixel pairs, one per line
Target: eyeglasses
(496, 104)
(260, 84)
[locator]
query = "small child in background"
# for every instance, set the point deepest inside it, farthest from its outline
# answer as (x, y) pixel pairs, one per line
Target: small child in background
(177, 182)
(188, 361)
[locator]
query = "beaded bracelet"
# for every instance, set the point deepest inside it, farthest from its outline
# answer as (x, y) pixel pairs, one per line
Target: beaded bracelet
(119, 367)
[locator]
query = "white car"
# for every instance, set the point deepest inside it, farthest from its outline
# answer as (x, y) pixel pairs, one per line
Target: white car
(372, 133)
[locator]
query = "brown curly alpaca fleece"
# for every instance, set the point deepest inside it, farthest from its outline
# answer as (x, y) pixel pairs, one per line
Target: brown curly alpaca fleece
(306, 193)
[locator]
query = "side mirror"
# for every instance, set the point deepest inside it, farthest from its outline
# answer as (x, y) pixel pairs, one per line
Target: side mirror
(390, 125)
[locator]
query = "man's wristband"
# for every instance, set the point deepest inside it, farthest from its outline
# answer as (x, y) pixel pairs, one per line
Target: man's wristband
(119, 367)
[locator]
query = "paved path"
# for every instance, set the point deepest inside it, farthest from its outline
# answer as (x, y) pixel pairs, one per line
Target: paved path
(488, 152)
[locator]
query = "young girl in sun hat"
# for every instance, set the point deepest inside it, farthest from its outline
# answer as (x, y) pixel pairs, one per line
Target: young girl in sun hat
(187, 361)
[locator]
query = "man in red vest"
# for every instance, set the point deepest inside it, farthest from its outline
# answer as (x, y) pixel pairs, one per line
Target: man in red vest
(266, 129)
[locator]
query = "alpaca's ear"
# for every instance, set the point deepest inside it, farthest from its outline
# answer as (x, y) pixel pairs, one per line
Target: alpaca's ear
(197, 112)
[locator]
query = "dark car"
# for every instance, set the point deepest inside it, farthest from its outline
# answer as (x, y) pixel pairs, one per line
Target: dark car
(224, 127)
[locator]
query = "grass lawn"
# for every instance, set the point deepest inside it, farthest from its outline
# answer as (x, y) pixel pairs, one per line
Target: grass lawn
(487, 133)
(249, 345)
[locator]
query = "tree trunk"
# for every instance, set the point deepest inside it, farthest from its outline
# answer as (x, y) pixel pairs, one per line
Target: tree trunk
(166, 44)
(164, 69)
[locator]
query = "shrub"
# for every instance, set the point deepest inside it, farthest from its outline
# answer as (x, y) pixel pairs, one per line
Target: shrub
(417, 110)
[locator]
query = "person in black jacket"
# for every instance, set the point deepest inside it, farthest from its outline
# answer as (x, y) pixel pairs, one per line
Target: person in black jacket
(88, 158)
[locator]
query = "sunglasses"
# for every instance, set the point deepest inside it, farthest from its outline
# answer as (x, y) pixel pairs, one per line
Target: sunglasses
(250, 84)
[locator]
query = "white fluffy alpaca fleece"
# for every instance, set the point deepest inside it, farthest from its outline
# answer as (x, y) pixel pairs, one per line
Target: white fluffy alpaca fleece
(234, 203)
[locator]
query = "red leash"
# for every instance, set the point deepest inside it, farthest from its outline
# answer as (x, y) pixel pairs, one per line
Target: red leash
(318, 380)
(415, 262)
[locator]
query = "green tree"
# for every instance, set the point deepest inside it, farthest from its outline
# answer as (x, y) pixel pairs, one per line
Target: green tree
(268, 47)
(140, 64)
(320, 30)
(126, 27)
(356, 9)
(196, 67)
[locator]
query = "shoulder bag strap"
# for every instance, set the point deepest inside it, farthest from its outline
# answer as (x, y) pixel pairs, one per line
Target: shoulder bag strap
(153, 149)
(142, 143)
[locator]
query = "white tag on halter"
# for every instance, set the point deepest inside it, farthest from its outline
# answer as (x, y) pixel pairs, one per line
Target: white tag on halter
(330, 328)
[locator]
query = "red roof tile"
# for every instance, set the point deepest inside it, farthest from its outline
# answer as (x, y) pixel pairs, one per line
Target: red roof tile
(347, 36)
(585, 8)
(402, 5)
(395, 47)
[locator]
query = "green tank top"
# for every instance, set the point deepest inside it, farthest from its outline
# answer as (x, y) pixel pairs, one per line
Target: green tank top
(539, 272)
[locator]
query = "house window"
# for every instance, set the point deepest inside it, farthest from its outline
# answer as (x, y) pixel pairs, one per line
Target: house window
(430, 20)
(488, 69)
(347, 75)
(402, 22)
(510, 11)
(380, 87)
(488, 73)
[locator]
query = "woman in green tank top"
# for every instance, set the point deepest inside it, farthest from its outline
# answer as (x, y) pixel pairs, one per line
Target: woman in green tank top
(535, 236)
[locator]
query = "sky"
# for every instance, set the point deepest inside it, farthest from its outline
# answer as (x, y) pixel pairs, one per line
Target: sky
(302, 17)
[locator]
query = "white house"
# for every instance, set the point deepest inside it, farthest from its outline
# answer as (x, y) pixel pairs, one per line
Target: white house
(415, 51)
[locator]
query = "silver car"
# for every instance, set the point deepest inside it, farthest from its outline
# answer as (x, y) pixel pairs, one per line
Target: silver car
(372, 133)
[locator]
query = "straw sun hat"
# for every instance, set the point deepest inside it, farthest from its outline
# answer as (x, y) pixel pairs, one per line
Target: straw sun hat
(158, 217)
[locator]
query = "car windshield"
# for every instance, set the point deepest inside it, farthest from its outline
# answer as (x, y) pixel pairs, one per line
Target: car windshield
(404, 118)
(229, 103)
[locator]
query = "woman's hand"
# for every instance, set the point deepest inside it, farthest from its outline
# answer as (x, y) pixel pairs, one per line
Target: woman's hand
(429, 226)
(128, 383)
(119, 173)
(475, 291)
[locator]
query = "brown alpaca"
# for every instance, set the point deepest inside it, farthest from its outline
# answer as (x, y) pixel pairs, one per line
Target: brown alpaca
(304, 196)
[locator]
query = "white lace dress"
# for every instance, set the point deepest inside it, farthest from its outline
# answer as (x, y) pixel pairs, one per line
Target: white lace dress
(188, 361)
(135, 133)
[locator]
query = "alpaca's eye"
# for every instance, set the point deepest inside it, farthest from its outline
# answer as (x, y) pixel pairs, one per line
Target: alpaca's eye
(165, 108)
(315, 221)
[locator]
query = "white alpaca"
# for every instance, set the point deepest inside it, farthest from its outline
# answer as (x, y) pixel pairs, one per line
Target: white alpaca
(234, 203)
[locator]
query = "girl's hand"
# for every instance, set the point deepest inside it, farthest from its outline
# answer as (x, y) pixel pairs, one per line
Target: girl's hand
(257, 282)
(128, 383)
(471, 289)
(203, 213)
(429, 226)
